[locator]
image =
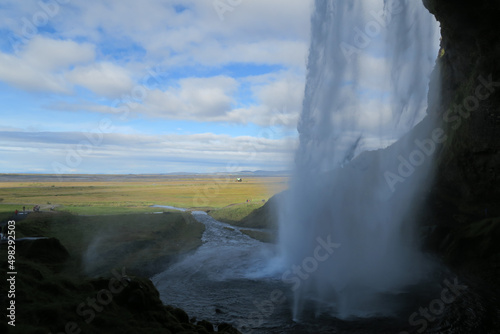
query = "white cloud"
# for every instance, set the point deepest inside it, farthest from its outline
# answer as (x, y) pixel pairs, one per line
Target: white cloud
(27, 77)
(269, 52)
(257, 31)
(104, 79)
(41, 64)
(52, 54)
(194, 99)
(194, 150)
(52, 65)
(107, 48)
(277, 101)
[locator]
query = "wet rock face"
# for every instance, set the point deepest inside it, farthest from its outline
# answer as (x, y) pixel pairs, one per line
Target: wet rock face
(463, 204)
(469, 31)
(469, 164)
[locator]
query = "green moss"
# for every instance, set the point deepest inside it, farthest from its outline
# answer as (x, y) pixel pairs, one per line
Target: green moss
(441, 52)
(234, 214)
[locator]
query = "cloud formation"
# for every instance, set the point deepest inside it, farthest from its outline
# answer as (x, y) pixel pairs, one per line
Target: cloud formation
(82, 61)
(77, 152)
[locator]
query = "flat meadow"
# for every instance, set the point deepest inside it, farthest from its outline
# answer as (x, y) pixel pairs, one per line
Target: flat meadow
(119, 194)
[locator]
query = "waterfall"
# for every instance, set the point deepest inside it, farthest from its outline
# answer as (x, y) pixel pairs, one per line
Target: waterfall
(347, 225)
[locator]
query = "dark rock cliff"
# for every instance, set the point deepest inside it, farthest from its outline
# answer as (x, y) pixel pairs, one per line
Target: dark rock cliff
(464, 203)
(469, 163)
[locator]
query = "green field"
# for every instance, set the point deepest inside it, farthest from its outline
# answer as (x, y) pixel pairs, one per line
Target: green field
(234, 213)
(133, 194)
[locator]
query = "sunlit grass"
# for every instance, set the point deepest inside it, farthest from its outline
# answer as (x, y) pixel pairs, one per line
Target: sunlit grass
(235, 213)
(116, 197)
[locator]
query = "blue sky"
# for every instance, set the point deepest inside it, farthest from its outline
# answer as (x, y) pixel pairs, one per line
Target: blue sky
(158, 86)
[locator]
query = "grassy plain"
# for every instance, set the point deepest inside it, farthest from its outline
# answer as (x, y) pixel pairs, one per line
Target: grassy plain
(133, 194)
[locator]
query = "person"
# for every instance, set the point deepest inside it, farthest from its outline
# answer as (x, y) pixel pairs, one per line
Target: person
(16, 212)
(24, 209)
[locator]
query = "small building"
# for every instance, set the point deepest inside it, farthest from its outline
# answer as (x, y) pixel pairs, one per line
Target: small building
(238, 179)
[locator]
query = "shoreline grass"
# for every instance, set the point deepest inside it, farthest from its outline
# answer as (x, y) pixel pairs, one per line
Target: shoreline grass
(235, 213)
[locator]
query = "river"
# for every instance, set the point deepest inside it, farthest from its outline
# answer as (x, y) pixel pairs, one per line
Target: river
(231, 278)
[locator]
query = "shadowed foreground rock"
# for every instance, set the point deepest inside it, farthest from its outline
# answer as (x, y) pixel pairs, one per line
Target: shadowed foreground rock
(49, 299)
(44, 250)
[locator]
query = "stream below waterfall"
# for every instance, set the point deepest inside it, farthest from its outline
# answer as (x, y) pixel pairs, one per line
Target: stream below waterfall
(215, 282)
(231, 278)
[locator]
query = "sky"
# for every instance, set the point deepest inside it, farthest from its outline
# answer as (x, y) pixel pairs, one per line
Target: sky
(158, 86)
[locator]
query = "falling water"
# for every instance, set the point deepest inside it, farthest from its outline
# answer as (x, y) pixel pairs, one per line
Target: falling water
(347, 235)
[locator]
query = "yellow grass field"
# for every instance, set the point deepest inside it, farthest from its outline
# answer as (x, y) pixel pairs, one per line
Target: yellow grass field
(126, 194)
